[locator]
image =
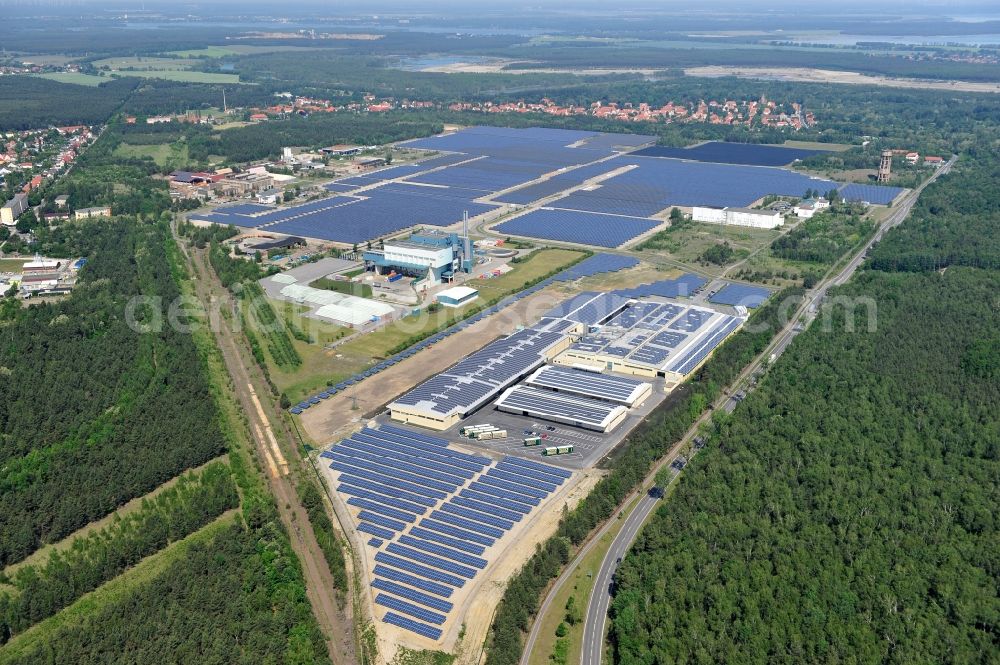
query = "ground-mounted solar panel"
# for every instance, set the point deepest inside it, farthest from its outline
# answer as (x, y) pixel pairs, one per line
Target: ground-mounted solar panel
(375, 542)
(440, 550)
(538, 466)
(751, 154)
(455, 532)
(376, 507)
(375, 530)
(509, 466)
(744, 295)
(383, 486)
(381, 497)
(443, 464)
(443, 539)
(412, 566)
(518, 480)
(503, 502)
(433, 479)
(381, 520)
(477, 516)
(400, 605)
(419, 436)
(467, 524)
(412, 626)
(684, 286)
(875, 194)
(414, 581)
(374, 438)
(446, 565)
(493, 490)
(492, 508)
(410, 594)
(382, 475)
(583, 228)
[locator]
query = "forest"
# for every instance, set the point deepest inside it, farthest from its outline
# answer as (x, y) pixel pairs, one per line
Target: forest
(181, 509)
(846, 511)
(236, 597)
(29, 102)
(92, 411)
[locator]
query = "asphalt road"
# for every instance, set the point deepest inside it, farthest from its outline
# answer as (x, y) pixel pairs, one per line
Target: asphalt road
(600, 599)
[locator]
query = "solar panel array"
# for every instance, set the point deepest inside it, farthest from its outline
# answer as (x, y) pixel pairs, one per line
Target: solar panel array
(693, 355)
(741, 294)
(875, 194)
(620, 389)
(427, 549)
(593, 265)
(480, 376)
(752, 154)
(684, 286)
(599, 230)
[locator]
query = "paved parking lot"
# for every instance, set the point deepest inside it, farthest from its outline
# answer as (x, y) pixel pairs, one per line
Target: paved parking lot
(588, 446)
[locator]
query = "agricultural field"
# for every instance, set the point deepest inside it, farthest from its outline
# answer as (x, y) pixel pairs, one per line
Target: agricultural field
(74, 78)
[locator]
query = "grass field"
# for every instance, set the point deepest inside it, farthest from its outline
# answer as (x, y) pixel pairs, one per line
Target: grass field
(143, 63)
(207, 52)
(320, 365)
(12, 265)
(815, 145)
(75, 78)
(171, 155)
(687, 242)
(185, 76)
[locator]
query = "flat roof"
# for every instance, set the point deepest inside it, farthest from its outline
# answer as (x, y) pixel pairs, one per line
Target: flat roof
(769, 213)
(458, 292)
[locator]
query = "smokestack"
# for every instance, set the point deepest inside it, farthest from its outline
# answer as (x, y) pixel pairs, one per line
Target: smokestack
(466, 243)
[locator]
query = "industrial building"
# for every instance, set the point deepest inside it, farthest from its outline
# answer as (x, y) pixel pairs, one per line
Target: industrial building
(13, 209)
(563, 359)
(433, 255)
(809, 207)
(642, 337)
(457, 296)
(446, 398)
(96, 211)
(749, 217)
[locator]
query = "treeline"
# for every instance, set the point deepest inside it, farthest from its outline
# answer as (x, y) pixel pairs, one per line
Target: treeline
(103, 399)
(954, 223)
(244, 144)
(650, 441)
(30, 102)
(847, 510)
(333, 551)
(181, 509)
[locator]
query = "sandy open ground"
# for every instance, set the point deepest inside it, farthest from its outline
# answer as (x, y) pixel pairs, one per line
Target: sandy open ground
(830, 76)
(803, 74)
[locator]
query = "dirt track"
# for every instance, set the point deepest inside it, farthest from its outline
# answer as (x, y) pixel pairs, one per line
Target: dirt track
(318, 580)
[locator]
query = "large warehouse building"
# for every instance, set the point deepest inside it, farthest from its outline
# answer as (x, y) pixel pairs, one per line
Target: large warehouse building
(555, 370)
(749, 217)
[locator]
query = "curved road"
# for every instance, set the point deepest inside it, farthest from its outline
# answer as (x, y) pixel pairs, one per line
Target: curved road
(600, 599)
